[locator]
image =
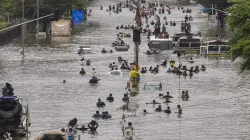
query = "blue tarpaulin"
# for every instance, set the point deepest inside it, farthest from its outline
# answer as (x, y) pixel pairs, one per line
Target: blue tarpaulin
(77, 15)
(70, 137)
(205, 10)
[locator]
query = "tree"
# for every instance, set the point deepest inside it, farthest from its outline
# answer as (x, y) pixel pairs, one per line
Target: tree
(6, 7)
(218, 4)
(14, 7)
(48, 6)
(239, 21)
(221, 4)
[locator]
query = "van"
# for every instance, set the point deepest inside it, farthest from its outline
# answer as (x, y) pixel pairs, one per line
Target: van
(84, 50)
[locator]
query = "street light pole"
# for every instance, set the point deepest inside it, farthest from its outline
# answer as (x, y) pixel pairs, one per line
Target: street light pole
(37, 16)
(212, 9)
(22, 10)
(137, 43)
(22, 36)
(8, 18)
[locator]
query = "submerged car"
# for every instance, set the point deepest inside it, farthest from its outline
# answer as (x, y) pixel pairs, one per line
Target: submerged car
(153, 86)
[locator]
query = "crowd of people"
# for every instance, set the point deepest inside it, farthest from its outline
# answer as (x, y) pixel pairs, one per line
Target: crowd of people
(160, 31)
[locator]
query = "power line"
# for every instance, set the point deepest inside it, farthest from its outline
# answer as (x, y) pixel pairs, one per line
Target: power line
(212, 117)
(180, 92)
(25, 22)
(217, 100)
(203, 118)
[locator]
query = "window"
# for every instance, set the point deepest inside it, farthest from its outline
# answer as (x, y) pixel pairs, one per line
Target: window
(183, 44)
(225, 48)
(190, 40)
(195, 45)
(213, 48)
(155, 43)
(217, 43)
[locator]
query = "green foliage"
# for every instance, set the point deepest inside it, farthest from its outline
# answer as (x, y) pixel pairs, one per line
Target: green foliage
(5, 7)
(239, 21)
(3, 24)
(48, 6)
(220, 4)
(235, 1)
(14, 7)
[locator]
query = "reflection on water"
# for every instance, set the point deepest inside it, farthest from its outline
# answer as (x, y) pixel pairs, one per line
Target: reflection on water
(78, 25)
(60, 40)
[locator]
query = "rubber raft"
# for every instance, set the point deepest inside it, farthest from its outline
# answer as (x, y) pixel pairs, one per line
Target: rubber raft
(115, 72)
(52, 136)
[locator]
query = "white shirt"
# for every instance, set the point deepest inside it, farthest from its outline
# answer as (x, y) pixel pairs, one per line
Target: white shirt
(93, 72)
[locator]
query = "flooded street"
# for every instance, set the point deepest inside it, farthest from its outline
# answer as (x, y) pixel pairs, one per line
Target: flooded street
(209, 114)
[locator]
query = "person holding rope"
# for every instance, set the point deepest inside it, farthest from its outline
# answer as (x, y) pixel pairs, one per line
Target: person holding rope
(154, 102)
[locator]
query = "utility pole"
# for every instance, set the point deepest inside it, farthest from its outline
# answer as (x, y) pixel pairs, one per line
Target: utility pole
(39, 35)
(22, 37)
(136, 34)
(37, 16)
(8, 18)
(139, 27)
(22, 10)
(212, 9)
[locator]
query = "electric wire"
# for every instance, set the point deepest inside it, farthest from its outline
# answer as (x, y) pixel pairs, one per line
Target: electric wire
(214, 101)
(180, 93)
(226, 116)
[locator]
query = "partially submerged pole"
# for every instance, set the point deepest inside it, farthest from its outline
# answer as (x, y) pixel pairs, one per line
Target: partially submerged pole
(22, 36)
(37, 16)
(136, 34)
(212, 9)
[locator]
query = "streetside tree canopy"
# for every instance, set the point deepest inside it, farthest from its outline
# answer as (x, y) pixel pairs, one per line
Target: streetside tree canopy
(221, 4)
(14, 7)
(49, 6)
(239, 22)
(6, 7)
